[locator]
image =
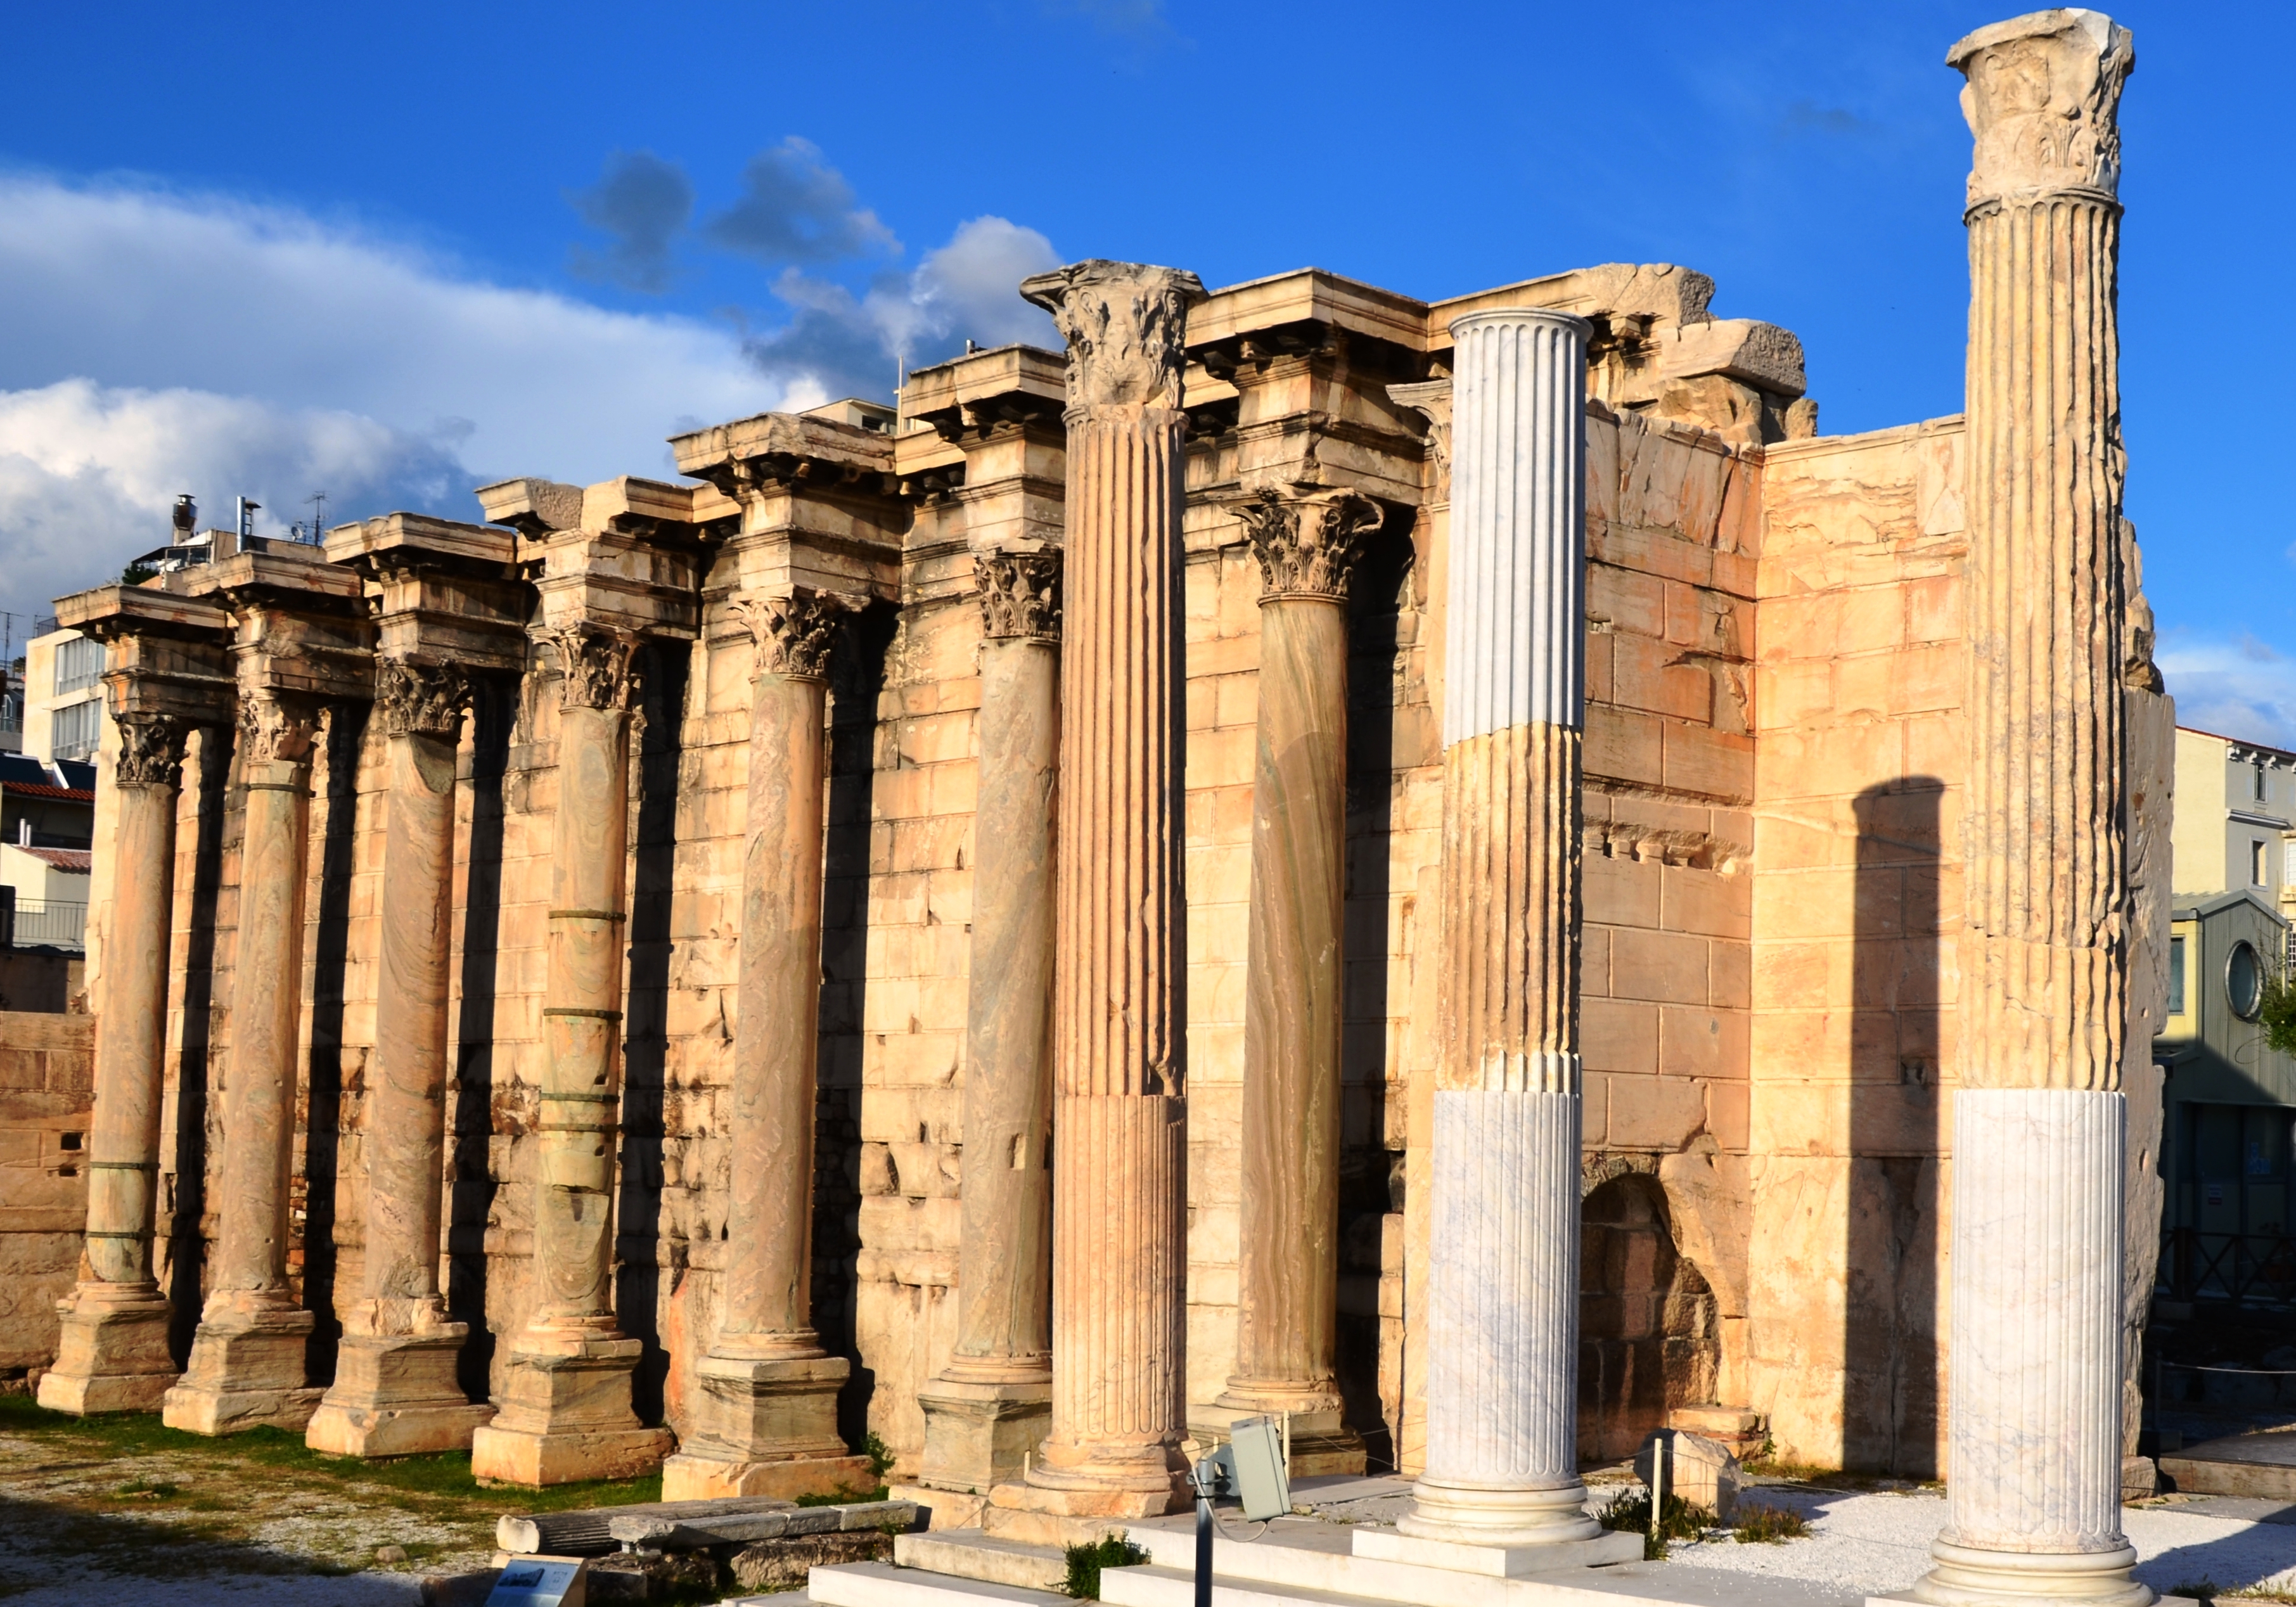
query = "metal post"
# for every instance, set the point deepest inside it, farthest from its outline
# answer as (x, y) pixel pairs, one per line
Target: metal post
(1658, 1487)
(1201, 1477)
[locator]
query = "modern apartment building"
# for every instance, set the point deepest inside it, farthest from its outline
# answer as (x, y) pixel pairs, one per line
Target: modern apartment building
(2235, 818)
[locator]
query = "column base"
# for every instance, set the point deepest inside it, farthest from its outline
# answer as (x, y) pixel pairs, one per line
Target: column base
(113, 1353)
(247, 1371)
(565, 1415)
(766, 1428)
(1501, 1515)
(1079, 1491)
(396, 1395)
(1966, 1576)
(978, 1435)
(1600, 1550)
(1321, 1440)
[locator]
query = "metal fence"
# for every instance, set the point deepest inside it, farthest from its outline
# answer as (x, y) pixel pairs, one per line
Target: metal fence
(2256, 1270)
(26, 922)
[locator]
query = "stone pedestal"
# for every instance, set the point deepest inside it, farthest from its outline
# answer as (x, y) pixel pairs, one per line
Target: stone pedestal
(1288, 1285)
(247, 1366)
(565, 1410)
(112, 1355)
(1503, 1279)
(987, 1411)
(1118, 1194)
(766, 1421)
(2033, 1474)
(395, 1390)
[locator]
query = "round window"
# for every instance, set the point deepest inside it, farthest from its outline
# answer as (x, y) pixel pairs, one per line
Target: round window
(2244, 981)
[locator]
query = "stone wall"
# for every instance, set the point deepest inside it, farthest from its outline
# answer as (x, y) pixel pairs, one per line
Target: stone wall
(47, 1064)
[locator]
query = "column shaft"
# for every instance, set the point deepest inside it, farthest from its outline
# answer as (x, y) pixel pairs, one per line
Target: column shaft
(1502, 1340)
(395, 1391)
(247, 1366)
(1119, 1190)
(768, 1420)
(566, 1413)
(112, 1355)
(2034, 1418)
(989, 1406)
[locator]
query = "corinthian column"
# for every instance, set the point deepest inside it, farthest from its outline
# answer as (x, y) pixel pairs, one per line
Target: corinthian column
(566, 1412)
(989, 1406)
(113, 1356)
(2034, 1454)
(1502, 1276)
(767, 1422)
(248, 1356)
(1119, 1193)
(1288, 1296)
(395, 1390)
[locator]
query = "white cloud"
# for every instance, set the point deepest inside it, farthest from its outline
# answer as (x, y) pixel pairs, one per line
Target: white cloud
(2239, 688)
(362, 351)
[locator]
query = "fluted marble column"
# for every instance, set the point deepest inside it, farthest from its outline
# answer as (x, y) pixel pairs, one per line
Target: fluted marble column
(988, 1407)
(767, 1419)
(1502, 1396)
(1287, 1319)
(2033, 1475)
(113, 1356)
(1119, 1113)
(246, 1366)
(395, 1390)
(566, 1411)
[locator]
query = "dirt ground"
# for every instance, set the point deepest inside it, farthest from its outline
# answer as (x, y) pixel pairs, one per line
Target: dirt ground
(91, 1506)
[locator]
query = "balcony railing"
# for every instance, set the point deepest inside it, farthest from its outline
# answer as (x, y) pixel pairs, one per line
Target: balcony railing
(25, 922)
(2256, 1270)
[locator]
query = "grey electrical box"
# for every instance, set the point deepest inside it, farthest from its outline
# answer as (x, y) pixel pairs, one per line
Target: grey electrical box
(1263, 1484)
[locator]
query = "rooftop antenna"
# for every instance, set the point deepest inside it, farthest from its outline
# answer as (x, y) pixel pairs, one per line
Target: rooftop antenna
(246, 521)
(318, 501)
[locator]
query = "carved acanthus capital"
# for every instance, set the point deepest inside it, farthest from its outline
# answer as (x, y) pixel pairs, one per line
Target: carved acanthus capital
(597, 663)
(2043, 101)
(1308, 542)
(794, 631)
(1125, 324)
(419, 699)
(273, 730)
(151, 748)
(1430, 400)
(1019, 593)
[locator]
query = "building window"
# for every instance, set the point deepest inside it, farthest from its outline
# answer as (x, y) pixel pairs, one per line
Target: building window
(79, 664)
(2259, 863)
(2244, 981)
(2176, 976)
(2259, 781)
(76, 729)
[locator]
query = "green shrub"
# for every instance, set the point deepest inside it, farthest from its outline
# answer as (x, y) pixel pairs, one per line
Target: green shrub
(1630, 1510)
(1086, 1562)
(1759, 1525)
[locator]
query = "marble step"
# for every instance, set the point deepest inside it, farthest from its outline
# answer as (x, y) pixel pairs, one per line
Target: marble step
(968, 1554)
(886, 1585)
(1303, 1554)
(1626, 1585)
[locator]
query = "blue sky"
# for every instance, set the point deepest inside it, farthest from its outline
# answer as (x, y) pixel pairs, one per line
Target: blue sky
(389, 252)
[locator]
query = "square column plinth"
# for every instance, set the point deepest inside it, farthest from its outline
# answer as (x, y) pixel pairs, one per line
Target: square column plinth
(566, 1416)
(979, 1435)
(766, 1428)
(247, 1371)
(109, 1358)
(396, 1395)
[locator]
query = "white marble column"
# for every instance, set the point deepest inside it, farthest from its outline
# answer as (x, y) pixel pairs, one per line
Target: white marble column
(2033, 1473)
(1502, 1396)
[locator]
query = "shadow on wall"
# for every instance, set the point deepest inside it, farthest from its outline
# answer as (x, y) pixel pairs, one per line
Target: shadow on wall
(470, 1124)
(1370, 1173)
(857, 676)
(1649, 1326)
(645, 1068)
(1890, 1406)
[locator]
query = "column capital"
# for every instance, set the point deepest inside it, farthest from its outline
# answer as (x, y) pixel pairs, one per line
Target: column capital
(2043, 101)
(151, 748)
(1019, 593)
(794, 630)
(1125, 324)
(1307, 540)
(274, 729)
(597, 663)
(416, 699)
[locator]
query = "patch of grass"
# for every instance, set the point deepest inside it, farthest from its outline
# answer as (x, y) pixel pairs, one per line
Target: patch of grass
(1630, 1510)
(844, 1496)
(155, 1490)
(1086, 1562)
(2202, 1590)
(1760, 1525)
